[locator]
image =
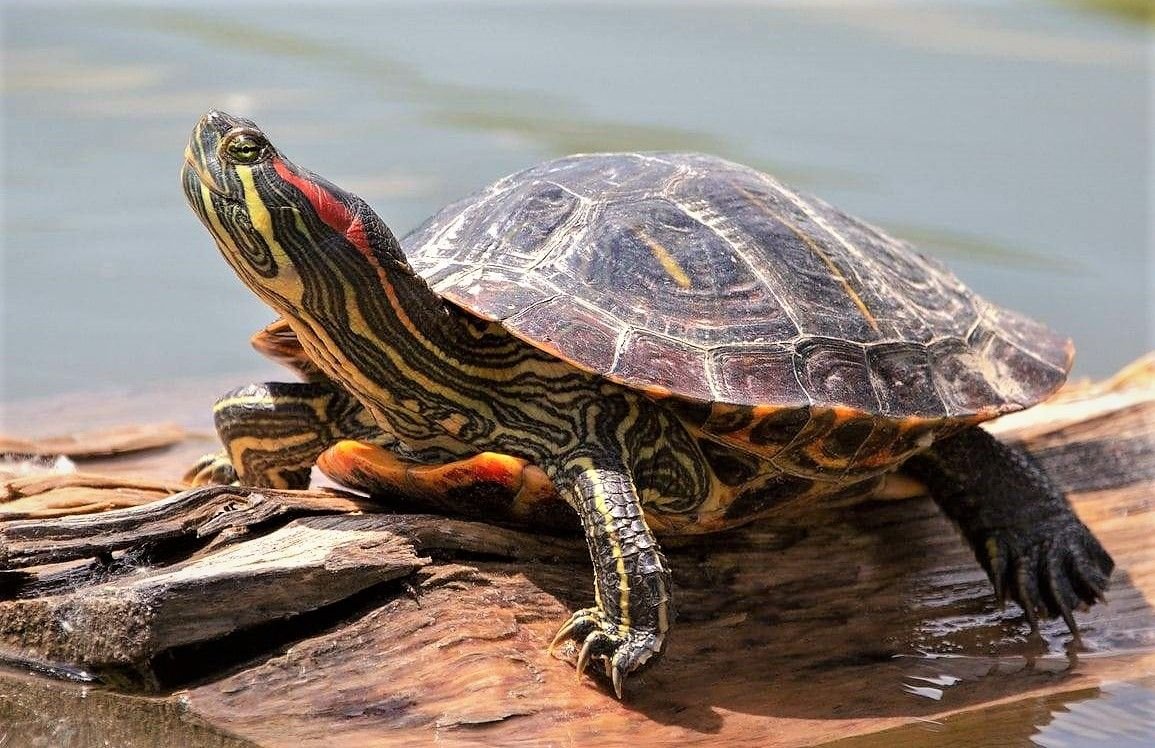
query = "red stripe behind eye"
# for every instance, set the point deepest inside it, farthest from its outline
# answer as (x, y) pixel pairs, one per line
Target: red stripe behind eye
(329, 209)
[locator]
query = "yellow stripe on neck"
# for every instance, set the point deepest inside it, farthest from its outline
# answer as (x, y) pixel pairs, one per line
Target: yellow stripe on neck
(259, 215)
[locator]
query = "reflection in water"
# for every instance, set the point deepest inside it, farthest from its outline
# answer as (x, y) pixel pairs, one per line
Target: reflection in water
(36, 713)
(956, 245)
(960, 30)
(530, 119)
(1119, 715)
(1133, 11)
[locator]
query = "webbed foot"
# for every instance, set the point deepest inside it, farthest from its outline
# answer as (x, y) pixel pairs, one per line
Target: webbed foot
(1050, 570)
(622, 649)
(1024, 533)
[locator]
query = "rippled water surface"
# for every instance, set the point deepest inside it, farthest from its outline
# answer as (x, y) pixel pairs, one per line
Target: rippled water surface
(1010, 138)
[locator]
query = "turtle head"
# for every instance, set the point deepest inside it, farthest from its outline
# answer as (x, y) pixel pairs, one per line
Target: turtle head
(280, 227)
(219, 144)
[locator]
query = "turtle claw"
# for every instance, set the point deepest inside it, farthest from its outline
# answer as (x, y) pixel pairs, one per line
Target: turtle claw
(622, 650)
(996, 564)
(563, 634)
(583, 659)
(213, 469)
(617, 676)
(1049, 571)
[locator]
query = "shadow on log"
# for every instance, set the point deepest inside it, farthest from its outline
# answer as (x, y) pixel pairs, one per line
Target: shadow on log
(321, 618)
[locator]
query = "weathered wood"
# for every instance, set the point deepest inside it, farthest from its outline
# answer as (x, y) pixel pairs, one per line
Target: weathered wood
(116, 628)
(189, 513)
(41, 496)
(113, 617)
(837, 624)
(105, 442)
(203, 512)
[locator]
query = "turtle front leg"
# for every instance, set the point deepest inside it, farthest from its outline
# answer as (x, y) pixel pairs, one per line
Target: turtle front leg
(627, 627)
(273, 433)
(1022, 528)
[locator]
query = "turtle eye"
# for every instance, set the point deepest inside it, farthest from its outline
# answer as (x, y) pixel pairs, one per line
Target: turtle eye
(246, 148)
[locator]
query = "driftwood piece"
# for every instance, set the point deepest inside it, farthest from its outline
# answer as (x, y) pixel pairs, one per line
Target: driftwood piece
(41, 496)
(117, 627)
(114, 616)
(105, 442)
(836, 625)
(191, 513)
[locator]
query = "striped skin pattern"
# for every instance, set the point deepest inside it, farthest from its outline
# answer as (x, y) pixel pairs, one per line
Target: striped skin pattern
(274, 432)
(679, 343)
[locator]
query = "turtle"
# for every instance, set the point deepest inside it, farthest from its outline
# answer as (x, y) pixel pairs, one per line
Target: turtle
(641, 344)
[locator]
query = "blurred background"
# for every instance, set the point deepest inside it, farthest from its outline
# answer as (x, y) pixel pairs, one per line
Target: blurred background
(1012, 138)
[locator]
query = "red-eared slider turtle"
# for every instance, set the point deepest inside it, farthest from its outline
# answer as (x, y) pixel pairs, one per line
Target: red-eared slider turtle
(680, 343)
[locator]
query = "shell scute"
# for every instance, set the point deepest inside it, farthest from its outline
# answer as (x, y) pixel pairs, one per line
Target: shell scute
(960, 376)
(834, 371)
(1018, 374)
(762, 371)
(903, 380)
(497, 293)
(570, 329)
(645, 358)
(773, 431)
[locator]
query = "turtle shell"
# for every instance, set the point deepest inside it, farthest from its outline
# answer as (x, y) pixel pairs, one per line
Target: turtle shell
(692, 277)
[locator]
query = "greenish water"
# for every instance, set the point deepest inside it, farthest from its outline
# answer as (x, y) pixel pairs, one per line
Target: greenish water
(1011, 138)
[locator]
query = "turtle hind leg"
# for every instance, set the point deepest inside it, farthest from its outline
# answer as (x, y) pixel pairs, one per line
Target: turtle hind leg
(1019, 524)
(487, 486)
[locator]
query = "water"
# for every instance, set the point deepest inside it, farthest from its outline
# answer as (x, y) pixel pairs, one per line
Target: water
(1118, 715)
(1011, 138)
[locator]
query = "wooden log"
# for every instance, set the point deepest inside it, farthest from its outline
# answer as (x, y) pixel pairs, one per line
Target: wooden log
(117, 627)
(838, 624)
(106, 442)
(186, 514)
